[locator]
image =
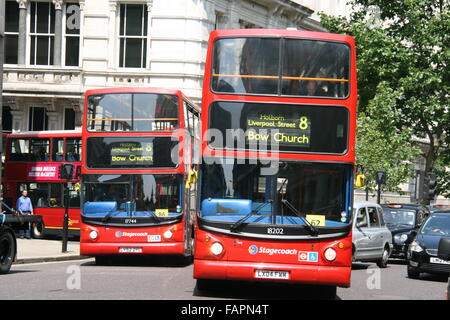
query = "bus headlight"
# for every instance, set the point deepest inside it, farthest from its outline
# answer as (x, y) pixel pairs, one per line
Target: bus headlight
(216, 248)
(168, 234)
(93, 234)
(330, 254)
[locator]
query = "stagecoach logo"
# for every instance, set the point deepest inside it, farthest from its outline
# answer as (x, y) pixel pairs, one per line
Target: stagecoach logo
(253, 250)
(130, 234)
(270, 251)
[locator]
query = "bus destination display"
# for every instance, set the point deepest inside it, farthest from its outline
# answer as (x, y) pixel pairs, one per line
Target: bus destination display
(132, 153)
(279, 129)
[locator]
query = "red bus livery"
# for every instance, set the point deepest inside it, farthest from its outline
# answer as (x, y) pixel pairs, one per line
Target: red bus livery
(32, 161)
(278, 137)
(138, 195)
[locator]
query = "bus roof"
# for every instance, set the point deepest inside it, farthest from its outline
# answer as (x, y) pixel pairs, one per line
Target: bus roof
(46, 133)
(280, 33)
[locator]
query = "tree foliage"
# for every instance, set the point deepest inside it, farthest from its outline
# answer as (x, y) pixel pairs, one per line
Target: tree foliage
(403, 50)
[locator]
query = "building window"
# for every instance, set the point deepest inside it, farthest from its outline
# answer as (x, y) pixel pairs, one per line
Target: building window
(69, 119)
(133, 36)
(247, 25)
(72, 34)
(11, 31)
(42, 33)
(6, 119)
(221, 21)
(37, 119)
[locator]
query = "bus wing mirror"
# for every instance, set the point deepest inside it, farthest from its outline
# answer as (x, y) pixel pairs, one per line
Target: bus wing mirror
(360, 180)
(192, 178)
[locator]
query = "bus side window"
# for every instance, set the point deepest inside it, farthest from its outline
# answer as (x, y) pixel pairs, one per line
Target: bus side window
(20, 150)
(40, 149)
(73, 149)
(38, 193)
(186, 116)
(56, 195)
(74, 199)
(57, 149)
(196, 124)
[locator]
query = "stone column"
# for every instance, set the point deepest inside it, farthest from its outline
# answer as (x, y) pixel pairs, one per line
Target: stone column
(18, 120)
(22, 41)
(53, 117)
(57, 49)
(233, 15)
(113, 53)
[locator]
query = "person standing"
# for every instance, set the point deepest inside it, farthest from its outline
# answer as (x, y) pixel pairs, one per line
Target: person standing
(24, 206)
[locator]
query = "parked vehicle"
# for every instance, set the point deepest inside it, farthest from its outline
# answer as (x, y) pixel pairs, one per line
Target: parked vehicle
(444, 254)
(372, 240)
(8, 242)
(401, 219)
(423, 251)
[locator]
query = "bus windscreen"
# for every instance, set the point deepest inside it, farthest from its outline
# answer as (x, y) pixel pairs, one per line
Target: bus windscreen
(286, 66)
(230, 186)
(278, 127)
(132, 112)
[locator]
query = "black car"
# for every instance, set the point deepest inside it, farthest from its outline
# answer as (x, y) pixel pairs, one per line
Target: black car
(401, 219)
(423, 251)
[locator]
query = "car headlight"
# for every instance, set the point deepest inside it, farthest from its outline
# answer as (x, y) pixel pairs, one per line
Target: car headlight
(216, 248)
(401, 237)
(415, 247)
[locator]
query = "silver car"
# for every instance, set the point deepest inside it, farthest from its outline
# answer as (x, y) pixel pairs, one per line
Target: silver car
(372, 240)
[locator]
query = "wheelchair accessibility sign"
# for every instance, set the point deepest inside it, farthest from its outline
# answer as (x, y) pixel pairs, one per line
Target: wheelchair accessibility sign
(308, 256)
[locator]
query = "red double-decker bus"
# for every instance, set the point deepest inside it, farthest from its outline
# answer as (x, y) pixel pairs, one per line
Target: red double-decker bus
(278, 147)
(138, 191)
(31, 163)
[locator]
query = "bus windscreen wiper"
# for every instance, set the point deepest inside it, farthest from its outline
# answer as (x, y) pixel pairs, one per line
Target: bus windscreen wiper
(311, 228)
(155, 216)
(108, 216)
(253, 212)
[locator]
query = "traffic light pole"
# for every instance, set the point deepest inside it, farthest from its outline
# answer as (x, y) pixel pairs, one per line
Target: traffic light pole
(66, 172)
(65, 229)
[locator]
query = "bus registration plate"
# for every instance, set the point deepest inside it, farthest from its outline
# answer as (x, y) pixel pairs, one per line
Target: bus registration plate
(130, 250)
(271, 274)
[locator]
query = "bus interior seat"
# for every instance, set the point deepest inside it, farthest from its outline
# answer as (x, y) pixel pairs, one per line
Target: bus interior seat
(226, 207)
(99, 208)
(265, 208)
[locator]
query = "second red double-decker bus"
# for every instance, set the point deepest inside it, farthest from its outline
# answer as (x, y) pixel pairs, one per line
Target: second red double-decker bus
(278, 128)
(31, 163)
(138, 193)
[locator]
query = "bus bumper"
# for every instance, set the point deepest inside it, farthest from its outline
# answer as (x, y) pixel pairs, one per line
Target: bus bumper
(94, 249)
(308, 274)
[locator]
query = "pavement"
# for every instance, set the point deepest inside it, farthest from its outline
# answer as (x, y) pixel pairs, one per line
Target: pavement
(35, 251)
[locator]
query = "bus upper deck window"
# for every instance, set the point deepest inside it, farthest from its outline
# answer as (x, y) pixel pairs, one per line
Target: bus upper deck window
(20, 150)
(40, 149)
